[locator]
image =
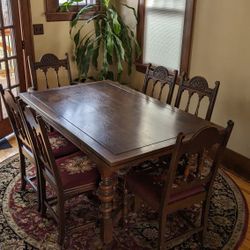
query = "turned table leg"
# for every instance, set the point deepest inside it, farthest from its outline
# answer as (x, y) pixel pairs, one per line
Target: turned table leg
(105, 193)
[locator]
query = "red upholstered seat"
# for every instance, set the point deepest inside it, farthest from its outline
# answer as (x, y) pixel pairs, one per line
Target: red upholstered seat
(76, 170)
(150, 190)
(60, 145)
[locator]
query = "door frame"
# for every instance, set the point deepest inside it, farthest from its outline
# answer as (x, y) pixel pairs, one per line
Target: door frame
(21, 15)
(27, 42)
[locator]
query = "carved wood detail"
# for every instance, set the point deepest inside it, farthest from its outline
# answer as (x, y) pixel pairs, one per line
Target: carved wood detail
(197, 85)
(49, 61)
(160, 75)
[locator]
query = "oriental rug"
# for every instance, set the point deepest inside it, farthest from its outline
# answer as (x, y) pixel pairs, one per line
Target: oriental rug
(21, 226)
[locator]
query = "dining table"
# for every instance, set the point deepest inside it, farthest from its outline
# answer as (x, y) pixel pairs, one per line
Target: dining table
(116, 126)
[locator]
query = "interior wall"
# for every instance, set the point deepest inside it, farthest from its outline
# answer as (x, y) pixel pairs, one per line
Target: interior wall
(220, 51)
(56, 38)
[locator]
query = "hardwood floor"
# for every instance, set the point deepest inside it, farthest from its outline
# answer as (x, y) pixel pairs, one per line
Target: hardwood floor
(5, 153)
(244, 186)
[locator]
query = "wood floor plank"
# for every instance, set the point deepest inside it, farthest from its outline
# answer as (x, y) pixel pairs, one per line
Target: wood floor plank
(6, 153)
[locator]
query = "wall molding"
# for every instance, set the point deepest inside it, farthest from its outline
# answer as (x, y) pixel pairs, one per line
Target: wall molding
(237, 163)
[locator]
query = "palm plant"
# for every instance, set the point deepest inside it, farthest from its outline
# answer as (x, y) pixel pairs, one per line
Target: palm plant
(111, 42)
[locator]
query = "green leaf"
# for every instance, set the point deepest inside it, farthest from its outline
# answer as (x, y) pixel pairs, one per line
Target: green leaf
(111, 41)
(97, 28)
(133, 9)
(110, 59)
(119, 63)
(137, 46)
(118, 44)
(105, 59)
(96, 52)
(110, 75)
(115, 23)
(110, 44)
(77, 38)
(96, 17)
(86, 61)
(81, 57)
(82, 11)
(95, 57)
(106, 3)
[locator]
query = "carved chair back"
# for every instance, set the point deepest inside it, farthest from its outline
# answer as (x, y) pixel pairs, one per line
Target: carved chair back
(158, 78)
(41, 146)
(191, 166)
(13, 111)
(197, 85)
(49, 61)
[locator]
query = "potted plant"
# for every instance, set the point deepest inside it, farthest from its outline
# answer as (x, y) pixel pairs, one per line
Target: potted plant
(111, 43)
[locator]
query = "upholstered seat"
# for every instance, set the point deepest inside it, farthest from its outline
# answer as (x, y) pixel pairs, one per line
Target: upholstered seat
(60, 145)
(150, 189)
(76, 170)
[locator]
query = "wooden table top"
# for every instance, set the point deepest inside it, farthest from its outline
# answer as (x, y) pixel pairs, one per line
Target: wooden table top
(112, 121)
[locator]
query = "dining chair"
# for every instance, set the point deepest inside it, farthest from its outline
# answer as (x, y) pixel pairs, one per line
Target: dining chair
(18, 128)
(60, 145)
(157, 79)
(49, 62)
(197, 85)
(183, 184)
(67, 177)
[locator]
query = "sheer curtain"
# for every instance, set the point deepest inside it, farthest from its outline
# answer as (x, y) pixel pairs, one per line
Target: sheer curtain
(164, 23)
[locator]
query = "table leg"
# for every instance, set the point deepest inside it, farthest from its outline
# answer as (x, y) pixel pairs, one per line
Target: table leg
(105, 194)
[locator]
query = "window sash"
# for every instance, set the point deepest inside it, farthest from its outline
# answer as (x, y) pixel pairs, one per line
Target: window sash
(53, 14)
(186, 38)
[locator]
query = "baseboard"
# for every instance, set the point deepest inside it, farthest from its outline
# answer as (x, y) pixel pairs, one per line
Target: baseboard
(237, 163)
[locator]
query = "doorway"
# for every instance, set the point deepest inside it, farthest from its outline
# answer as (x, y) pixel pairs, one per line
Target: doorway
(12, 53)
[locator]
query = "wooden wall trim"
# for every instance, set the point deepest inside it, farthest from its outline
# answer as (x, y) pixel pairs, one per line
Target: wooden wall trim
(237, 163)
(27, 36)
(52, 12)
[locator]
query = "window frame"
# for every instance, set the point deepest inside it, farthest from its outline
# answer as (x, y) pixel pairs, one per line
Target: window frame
(186, 38)
(52, 12)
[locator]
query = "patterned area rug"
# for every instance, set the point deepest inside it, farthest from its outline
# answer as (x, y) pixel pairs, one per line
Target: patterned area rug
(21, 227)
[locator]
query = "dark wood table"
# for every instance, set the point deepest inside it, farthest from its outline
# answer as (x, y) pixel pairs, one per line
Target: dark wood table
(116, 126)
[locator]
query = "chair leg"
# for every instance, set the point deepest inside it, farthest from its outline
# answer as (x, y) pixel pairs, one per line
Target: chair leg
(39, 195)
(162, 228)
(137, 204)
(22, 170)
(125, 203)
(61, 224)
(204, 219)
(42, 192)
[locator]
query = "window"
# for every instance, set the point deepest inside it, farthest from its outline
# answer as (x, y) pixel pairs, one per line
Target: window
(53, 13)
(164, 33)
